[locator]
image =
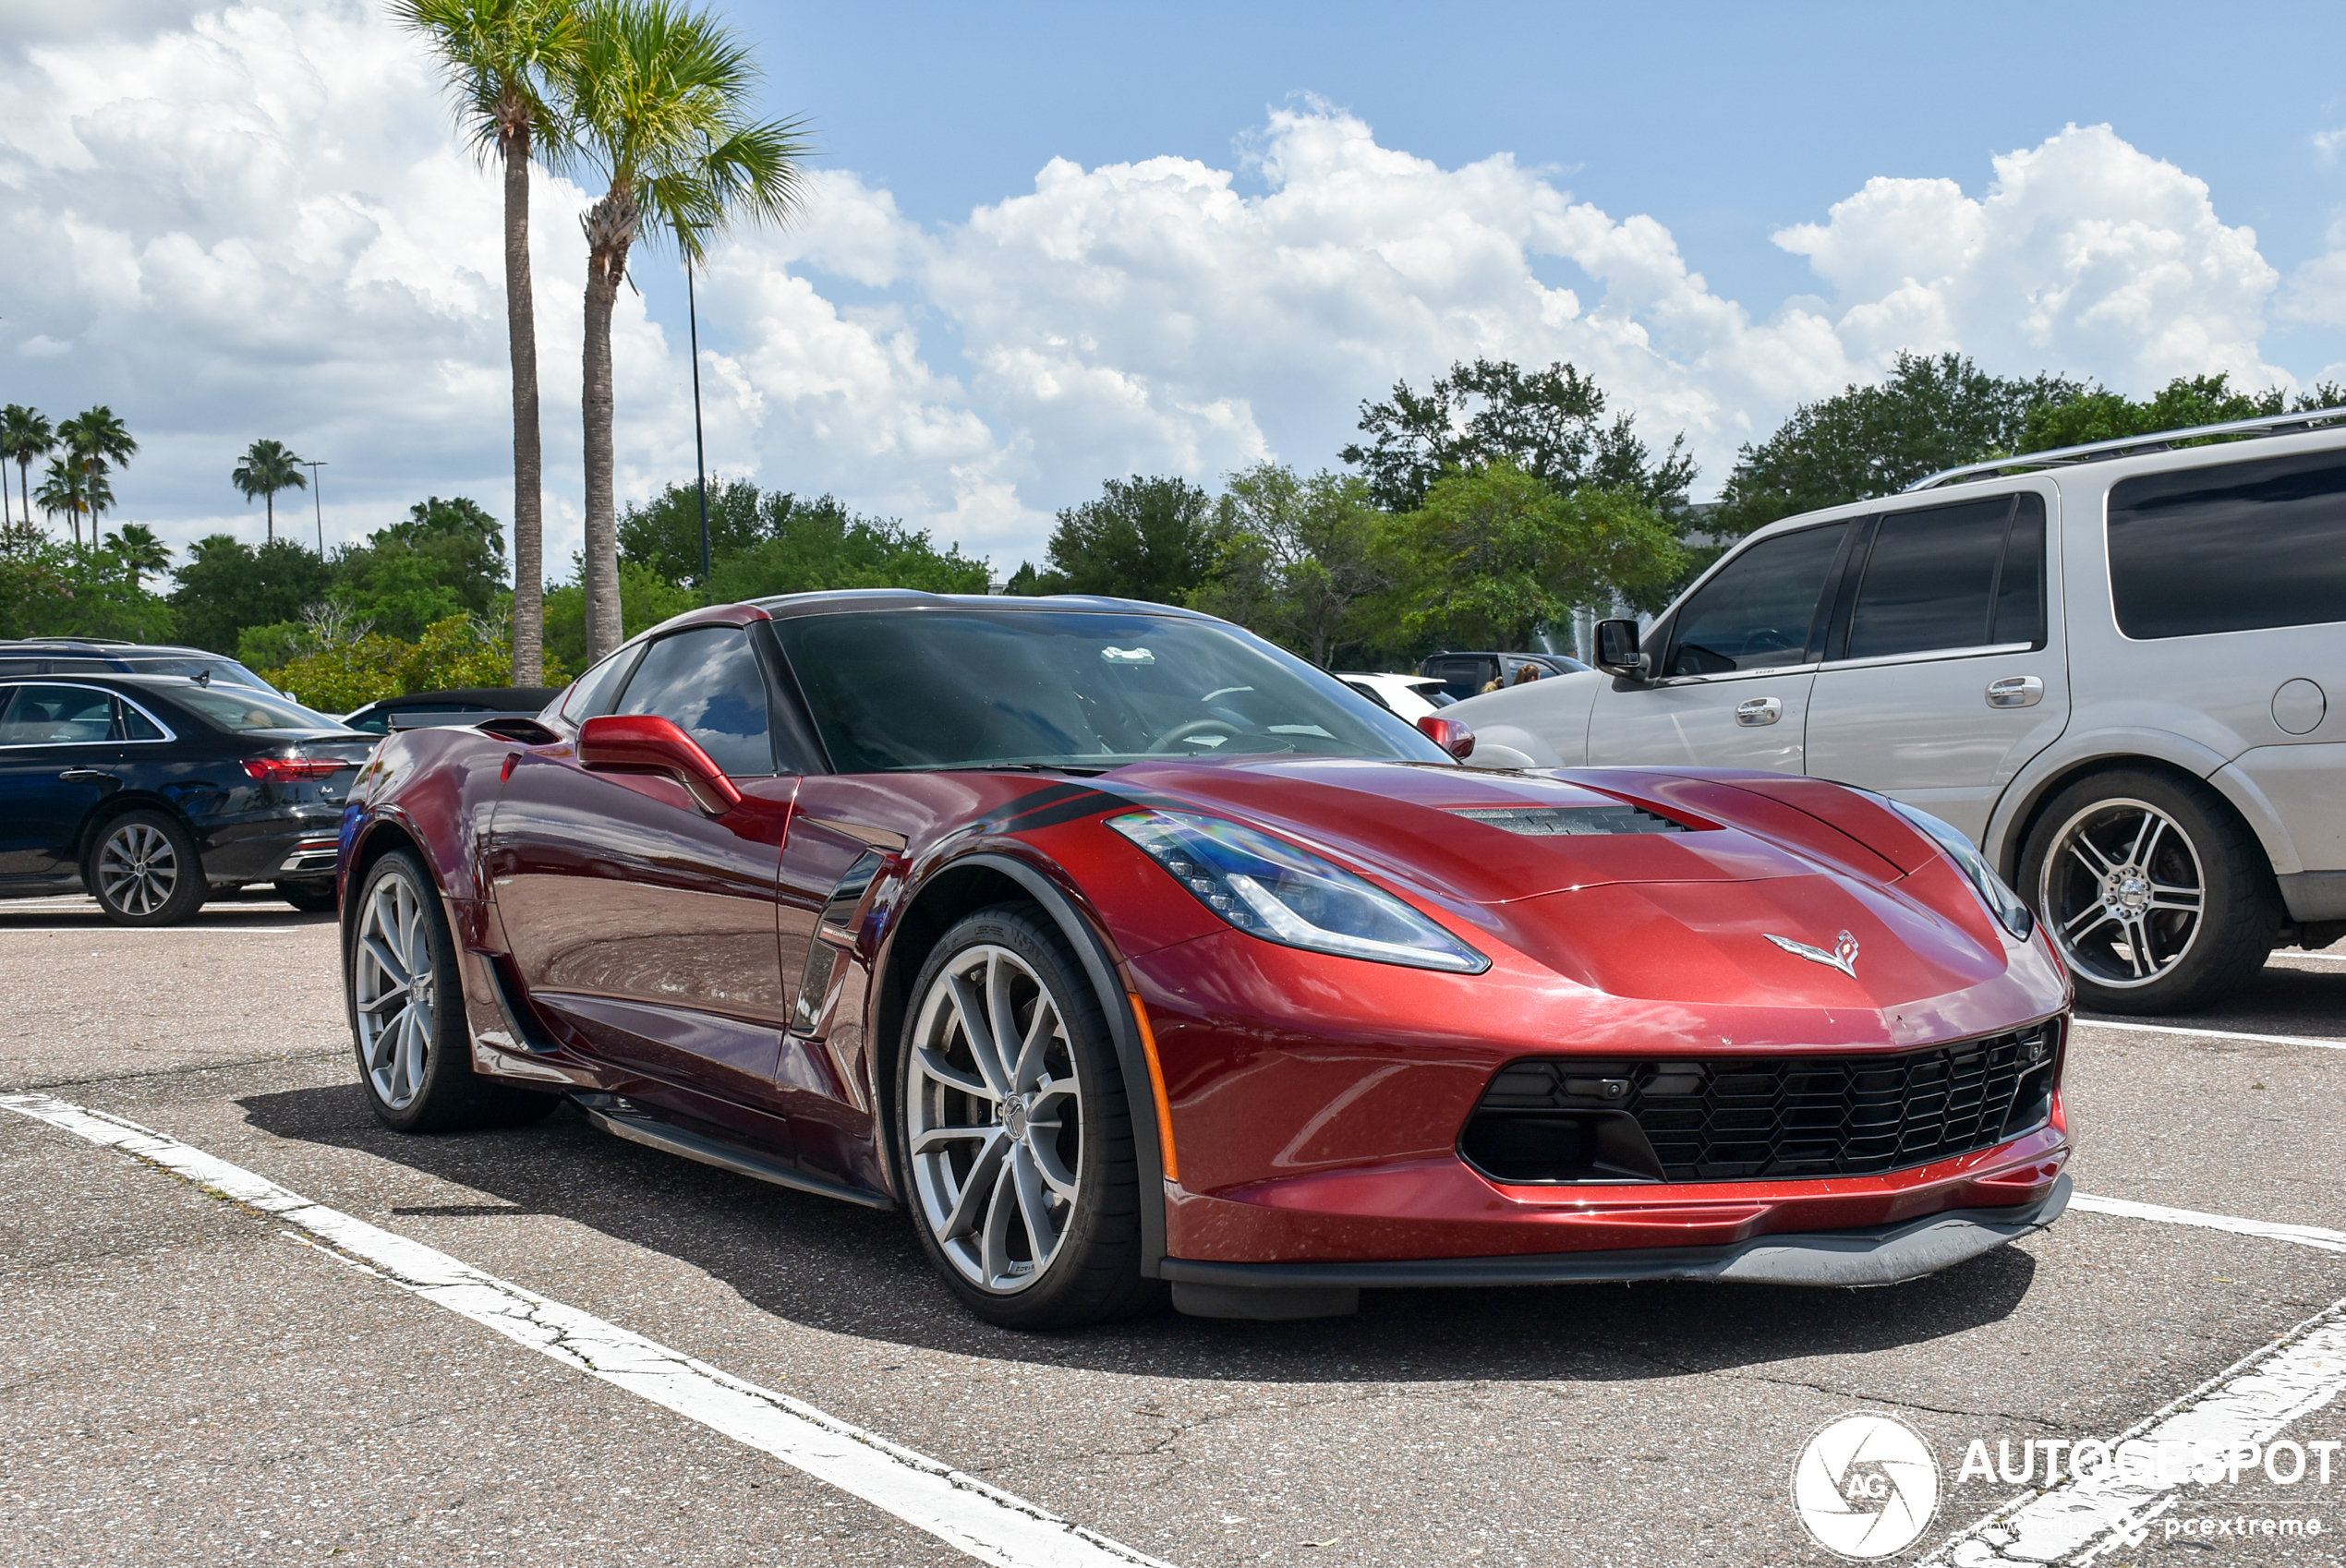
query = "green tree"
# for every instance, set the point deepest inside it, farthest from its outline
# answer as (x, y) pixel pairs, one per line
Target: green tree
(1927, 415)
(821, 545)
(225, 585)
(267, 468)
(645, 600)
(25, 438)
(503, 60)
(140, 550)
(664, 532)
(1143, 538)
(660, 102)
(96, 443)
(1548, 422)
(73, 489)
(47, 589)
(1496, 553)
(1298, 560)
(445, 558)
(2102, 415)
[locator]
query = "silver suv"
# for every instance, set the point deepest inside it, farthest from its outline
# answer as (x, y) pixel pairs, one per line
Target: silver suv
(2115, 668)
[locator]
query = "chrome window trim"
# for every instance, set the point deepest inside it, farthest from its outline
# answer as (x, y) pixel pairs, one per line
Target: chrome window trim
(1771, 671)
(14, 681)
(1931, 656)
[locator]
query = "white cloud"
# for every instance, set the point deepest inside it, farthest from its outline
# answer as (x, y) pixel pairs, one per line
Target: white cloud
(259, 223)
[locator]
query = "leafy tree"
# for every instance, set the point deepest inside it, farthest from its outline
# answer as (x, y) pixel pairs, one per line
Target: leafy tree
(1143, 538)
(1548, 422)
(1299, 559)
(1025, 583)
(503, 60)
(140, 550)
(96, 443)
(664, 532)
(445, 558)
(72, 489)
(645, 600)
(2102, 415)
(267, 468)
(225, 585)
(661, 104)
(823, 545)
(1929, 414)
(1496, 553)
(25, 438)
(47, 589)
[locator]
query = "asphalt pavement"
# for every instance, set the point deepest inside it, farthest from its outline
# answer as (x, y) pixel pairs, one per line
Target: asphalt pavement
(192, 1379)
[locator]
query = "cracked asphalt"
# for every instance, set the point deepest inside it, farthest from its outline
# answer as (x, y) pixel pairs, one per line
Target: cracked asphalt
(186, 1383)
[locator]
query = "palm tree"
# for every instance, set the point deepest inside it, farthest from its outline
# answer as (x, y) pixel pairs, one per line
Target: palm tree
(140, 550)
(501, 58)
(96, 443)
(660, 103)
(69, 488)
(25, 436)
(266, 468)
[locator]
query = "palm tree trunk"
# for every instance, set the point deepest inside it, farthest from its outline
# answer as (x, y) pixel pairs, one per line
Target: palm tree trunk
(24, 485)
(521, 333)
(611, 224)
(269, 500)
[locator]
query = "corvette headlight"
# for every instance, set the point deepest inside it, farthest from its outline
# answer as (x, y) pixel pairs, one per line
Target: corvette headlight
(1282, 894)
(2002, 901)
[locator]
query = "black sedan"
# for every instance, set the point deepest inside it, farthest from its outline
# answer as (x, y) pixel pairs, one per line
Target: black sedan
(153, 791)
(461, 705)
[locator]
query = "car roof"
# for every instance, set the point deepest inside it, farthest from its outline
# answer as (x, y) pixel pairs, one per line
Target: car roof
(837, 600)
(108, 647)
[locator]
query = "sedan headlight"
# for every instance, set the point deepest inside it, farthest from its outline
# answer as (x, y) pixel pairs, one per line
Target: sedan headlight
(2002, 901)
(1282, 894)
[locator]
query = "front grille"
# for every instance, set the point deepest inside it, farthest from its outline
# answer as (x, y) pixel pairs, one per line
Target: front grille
(1748, 1118)
(1546, 822)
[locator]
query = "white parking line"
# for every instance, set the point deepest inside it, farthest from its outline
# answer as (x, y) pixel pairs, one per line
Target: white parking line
(2252, 1401)
(964, 1513)
(2304, 1236)
(2129, 1027)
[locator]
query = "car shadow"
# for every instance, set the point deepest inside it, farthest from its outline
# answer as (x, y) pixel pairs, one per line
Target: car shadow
(845, 1269)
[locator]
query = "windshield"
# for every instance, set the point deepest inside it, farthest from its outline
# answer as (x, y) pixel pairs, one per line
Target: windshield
(904, 689)
(240, 707)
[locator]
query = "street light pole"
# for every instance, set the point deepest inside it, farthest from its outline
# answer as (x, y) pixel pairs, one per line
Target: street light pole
(700, 452)
(317, 500)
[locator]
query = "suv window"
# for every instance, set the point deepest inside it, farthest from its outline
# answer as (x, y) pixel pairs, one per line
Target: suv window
(1936, 579)
(1757, 613)
(707, 682)
(2234, 548)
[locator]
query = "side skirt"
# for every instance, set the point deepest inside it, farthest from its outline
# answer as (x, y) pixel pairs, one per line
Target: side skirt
(624, 1118)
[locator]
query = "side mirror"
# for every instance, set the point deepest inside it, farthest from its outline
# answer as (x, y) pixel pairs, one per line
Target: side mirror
(1452, 735)
(644, 742)
(1617, 651)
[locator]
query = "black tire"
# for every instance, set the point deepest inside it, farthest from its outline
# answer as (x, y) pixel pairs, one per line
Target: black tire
(144, 869)
(420, 1078)
(309, 898)
(1093, 1273)
(2123, 928)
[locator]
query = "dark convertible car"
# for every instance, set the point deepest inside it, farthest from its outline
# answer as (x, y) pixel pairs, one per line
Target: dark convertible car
(1123, 949)
(151, 791)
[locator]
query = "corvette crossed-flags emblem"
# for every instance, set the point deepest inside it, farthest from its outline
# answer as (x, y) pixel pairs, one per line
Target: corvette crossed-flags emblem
(1844, 955)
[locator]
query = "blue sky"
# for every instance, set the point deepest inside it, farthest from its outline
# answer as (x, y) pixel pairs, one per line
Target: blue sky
(1049, 244)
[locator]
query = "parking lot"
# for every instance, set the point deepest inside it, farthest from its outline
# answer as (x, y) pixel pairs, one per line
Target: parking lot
(192, 1378)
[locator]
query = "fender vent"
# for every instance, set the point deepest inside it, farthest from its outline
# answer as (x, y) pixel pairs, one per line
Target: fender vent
(1558, 822)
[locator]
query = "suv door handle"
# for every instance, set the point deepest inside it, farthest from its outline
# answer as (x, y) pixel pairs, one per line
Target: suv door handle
(2015, 691)
(85, 776)
(1758, 711)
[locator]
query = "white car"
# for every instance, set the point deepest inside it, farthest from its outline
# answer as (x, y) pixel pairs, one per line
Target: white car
(1408, 696)
(2117, 669)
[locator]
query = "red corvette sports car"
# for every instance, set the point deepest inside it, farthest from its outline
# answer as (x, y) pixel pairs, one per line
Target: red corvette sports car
(1122, 948)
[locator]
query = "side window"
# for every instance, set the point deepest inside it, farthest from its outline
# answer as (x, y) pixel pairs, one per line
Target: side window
(2234, 548)
(2020, 590)
(707, 680)
(591, 693)
(52, 715)
(1759, 611)
(1934, 580)
(135, 724)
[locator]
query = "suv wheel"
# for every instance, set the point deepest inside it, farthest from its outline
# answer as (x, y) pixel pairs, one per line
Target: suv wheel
(144, 870)
(2154, 893)
(1016, 1136)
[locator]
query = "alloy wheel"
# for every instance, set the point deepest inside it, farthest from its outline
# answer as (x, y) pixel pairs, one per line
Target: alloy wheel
(393, 988)
(2122, 893)
(995, 1119)
(138, 868)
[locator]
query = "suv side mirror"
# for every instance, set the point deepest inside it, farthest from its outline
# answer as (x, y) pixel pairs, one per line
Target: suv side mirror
(1452, 735)
(1617, 651)
(645, 742)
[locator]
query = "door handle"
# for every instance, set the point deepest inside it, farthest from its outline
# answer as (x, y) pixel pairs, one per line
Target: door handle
(2015, 691)
(85, 776)
(1758, 711)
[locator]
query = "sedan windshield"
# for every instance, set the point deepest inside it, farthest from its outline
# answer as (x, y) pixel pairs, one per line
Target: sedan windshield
(241, 707)
(1075, 689)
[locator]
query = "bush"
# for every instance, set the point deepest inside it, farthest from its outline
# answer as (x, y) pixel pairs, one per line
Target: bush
(461, 650)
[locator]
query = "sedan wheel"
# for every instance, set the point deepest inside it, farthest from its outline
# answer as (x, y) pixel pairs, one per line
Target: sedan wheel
(146, 871)
(1016, 1139)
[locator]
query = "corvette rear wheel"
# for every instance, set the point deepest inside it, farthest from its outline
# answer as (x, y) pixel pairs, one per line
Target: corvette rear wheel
(1016, 1136)
(407, 1010)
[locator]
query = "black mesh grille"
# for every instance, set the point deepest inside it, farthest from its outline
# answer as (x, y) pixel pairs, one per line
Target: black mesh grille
(1735, 1119)
(1544, 822)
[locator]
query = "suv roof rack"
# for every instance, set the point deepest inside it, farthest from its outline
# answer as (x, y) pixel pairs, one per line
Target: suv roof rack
(2159, 440)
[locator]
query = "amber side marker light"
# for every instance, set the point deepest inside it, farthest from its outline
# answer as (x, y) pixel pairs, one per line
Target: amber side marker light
(1157, 1086)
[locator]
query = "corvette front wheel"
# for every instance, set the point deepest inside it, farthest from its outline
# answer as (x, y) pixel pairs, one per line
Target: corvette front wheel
(1016, 1136)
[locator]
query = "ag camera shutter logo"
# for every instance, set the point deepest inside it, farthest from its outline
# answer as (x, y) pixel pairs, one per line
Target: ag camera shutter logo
(1865, 1486)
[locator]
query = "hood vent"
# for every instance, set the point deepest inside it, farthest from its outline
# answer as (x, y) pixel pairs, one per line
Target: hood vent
(1559, 822)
